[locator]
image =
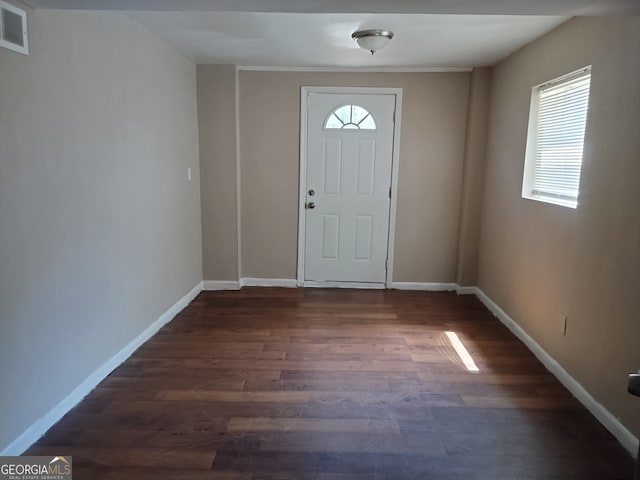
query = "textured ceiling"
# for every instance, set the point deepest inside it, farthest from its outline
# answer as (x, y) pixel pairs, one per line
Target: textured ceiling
(429, 34)
(324, 40)
(460, 7)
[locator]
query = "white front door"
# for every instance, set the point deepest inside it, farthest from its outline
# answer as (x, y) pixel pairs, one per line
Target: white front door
(348, 181)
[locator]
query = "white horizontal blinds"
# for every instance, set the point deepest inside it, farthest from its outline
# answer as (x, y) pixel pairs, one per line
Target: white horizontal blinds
(13, 28)
(562, 117)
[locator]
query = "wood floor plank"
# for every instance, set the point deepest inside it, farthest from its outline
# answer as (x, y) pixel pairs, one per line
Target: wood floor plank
(150, 473)
(554, 403)
(347, 441)
(338, 348)
(205, 367)
(252, 424)
(233, 396)
(537, 378)
(315, 384)
(134, 457)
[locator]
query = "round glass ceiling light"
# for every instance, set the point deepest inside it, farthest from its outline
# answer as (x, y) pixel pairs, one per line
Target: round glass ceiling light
(372, 40)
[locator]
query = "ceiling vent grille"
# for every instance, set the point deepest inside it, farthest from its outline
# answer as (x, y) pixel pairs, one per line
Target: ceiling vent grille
(13, 28)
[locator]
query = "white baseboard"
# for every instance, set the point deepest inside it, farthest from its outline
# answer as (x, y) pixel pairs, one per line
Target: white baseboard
(434, 287)
(269, 282)
(359, 285)
(292, 283)
(426, 286)
(608, 420)
(39, 428)
(466, 290)
(220, 285)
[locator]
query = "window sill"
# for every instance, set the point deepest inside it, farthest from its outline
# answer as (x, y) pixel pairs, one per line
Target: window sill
(552, 200)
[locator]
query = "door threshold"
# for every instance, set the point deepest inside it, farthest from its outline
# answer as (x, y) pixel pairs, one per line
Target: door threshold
(330, 284)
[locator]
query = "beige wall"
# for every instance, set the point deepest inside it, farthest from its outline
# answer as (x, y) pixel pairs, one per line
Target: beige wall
(99, 226)
(536, 259)
(430, 178)
(473, 177)
(218, 172)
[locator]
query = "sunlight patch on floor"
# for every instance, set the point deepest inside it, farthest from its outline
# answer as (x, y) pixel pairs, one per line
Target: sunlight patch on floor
(462, 352)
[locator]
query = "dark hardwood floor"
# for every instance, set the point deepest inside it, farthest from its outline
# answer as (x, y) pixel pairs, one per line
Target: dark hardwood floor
(333, 385)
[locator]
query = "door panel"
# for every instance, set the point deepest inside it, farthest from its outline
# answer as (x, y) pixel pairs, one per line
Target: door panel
(366, 167)
(349, 172)
(364, 237)
(330, 236)
(332, 171)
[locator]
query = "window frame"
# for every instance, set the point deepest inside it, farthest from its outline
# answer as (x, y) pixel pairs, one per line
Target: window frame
(533, 135)
(23, 49)
(345, 126)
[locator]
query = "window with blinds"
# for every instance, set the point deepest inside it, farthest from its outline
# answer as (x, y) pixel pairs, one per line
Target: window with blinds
(557, 122)
(13, 28)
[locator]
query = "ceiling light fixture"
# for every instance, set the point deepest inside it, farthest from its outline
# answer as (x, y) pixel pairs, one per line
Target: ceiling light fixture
(372, 40)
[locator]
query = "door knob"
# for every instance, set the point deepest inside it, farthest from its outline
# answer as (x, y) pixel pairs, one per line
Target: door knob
(634, 384)
(310, 205)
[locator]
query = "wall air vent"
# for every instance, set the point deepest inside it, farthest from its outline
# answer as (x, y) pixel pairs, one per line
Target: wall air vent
(13, 28)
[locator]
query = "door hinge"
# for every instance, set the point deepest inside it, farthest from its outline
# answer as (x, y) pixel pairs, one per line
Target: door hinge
(394, 115)
(389, 192)
(386, 264)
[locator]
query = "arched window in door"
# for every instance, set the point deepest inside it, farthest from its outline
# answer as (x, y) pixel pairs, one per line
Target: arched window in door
(350, 117)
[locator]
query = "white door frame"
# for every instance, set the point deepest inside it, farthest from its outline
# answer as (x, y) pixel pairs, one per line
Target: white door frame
(304, 95)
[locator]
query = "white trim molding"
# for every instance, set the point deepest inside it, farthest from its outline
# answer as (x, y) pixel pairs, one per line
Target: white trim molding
(606, 418)
(269, 282)
(40, 426)
(238, 173)
(466, 290)
(252, 68)
(221, 285)
(426, 286)
(209, 285)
